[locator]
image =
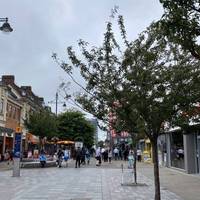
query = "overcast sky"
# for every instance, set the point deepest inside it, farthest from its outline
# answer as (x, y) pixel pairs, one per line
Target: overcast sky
(42, 27)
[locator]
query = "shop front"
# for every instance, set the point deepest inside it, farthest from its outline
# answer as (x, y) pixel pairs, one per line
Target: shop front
(183, 150)
(177, 150)
(147, 153)
(6, 140)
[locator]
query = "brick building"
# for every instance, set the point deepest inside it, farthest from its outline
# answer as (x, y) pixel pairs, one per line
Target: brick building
(16, 104)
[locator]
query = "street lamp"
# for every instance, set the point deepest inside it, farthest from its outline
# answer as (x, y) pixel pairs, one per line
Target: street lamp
(56, 102)
(6, 26)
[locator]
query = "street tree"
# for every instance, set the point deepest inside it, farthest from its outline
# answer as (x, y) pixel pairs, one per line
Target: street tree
(72, 125)
(147, 81)
(180, 23)
(42, 123)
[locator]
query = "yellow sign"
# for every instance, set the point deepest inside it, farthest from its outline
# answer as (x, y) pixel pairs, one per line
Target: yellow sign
(18, 129)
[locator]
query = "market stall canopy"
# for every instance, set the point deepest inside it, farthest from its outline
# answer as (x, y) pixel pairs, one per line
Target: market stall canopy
(32, 138)
(65, 142)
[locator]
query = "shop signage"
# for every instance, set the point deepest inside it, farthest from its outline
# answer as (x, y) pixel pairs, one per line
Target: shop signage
(78, 144)
(17, 145)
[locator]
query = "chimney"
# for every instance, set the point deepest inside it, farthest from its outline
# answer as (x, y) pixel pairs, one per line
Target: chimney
(41, 99)
(8, 79)
(27, 88)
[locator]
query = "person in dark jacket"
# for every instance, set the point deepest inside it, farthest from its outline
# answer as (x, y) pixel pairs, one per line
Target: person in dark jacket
(60, 156)
(78, 155)
(83, 152)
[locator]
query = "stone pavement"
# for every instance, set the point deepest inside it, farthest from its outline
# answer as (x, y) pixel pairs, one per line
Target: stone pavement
(185, 185)
(5, 165)
(86, 183)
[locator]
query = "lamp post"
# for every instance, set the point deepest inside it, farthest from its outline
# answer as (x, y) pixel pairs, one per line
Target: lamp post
(6, 26)
(57, 102)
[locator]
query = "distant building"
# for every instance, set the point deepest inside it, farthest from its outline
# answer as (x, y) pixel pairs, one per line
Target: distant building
(16, 104)
(117, 138)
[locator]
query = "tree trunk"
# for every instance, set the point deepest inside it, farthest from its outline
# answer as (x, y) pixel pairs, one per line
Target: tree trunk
(156, 169)
(134, 165)
(134, 143)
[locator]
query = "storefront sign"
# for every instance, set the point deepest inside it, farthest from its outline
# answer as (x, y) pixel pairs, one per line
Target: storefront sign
(78, 144)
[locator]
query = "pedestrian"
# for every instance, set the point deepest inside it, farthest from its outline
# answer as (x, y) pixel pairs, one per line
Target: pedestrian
(60, 156)
(66, 157)
(78, 157)
(98, 156)
(83, 152)
(87, 155)
(110, 155)
(120, 154)
(116, 153)
(42, 158)
(105, 156)
(139, 155)
(130, 159)
(126, 152)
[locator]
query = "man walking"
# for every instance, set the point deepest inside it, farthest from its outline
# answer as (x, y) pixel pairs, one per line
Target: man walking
(78, 157)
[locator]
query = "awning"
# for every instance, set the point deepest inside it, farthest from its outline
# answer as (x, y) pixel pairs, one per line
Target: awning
(65, 142)
(32, 138)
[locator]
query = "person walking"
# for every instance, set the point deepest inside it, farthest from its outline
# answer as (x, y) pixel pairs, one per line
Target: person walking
(98, 156)
(139, 155)
(116, 153)
(66, 157)
(130, 159)
(105, 156)
(78, 157)
(60, 156)
(83, 152)
(87, 155)
(109, 155)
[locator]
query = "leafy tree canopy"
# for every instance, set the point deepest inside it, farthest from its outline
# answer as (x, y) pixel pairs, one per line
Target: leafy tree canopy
(72, 125)
(150, 83)
(180, 23)
(42, 124)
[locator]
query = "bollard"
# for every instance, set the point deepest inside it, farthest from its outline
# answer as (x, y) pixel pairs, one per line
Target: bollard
(16, 167)
(122, 178)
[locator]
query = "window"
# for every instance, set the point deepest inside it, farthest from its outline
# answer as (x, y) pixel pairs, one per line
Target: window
(14, 112)
(18, 114)
(9, 111)
(1, 106)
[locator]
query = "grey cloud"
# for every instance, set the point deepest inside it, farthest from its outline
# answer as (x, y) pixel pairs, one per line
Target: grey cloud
(46, 26)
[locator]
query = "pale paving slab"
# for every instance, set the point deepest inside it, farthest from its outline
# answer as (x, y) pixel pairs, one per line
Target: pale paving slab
(74, 184)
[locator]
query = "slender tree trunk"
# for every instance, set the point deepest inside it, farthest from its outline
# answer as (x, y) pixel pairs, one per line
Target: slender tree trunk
(135, 157)
(134, 165)
(156, 169)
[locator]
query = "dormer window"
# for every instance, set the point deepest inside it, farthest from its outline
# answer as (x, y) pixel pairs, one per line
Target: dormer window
(23, 93)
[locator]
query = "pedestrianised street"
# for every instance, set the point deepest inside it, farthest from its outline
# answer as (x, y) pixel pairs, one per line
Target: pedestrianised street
(95, 183)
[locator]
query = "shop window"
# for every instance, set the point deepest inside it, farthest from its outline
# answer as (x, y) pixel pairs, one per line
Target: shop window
(177, 150)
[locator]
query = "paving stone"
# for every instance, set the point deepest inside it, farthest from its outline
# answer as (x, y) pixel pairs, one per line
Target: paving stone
(75, 184)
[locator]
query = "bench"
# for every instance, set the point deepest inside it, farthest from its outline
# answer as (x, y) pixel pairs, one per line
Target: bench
(36, 164)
